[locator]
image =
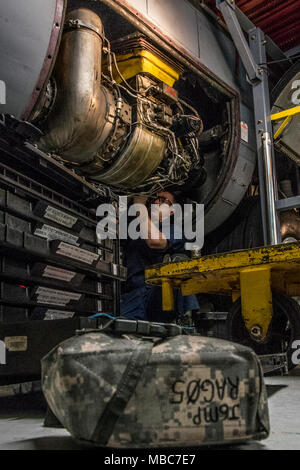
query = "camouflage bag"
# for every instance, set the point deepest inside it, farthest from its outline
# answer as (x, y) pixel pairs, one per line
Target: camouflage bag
(141, 390)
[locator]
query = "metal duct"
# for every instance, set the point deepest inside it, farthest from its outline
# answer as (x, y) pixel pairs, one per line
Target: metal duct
(83, 114)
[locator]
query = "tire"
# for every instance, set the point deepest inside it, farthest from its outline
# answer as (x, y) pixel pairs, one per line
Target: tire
(284, 328)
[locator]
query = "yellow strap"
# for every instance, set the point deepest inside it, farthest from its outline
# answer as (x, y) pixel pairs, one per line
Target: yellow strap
(282, 127)
(284, 114)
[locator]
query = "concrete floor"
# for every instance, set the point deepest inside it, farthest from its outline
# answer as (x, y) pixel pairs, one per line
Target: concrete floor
(21, 421)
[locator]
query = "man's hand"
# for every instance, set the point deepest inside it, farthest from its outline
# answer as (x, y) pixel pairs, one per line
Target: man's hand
(151, 234)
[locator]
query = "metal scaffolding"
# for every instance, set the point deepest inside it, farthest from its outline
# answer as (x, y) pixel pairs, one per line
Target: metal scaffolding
(254, 56)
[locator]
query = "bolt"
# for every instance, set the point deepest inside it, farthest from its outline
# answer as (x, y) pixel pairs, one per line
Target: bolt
(253, 37)
(264, 42)
(259, 121)
(256, 331)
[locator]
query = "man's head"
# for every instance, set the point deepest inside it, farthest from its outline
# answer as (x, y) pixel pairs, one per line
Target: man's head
(161, 205)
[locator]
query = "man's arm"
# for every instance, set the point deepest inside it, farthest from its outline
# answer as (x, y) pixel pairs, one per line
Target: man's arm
(153, 237)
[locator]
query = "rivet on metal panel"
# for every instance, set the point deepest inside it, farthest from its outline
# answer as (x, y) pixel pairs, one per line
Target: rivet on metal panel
(256, 331)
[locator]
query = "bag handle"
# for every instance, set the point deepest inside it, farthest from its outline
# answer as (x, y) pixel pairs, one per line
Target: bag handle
(126, 387)
(119, 325)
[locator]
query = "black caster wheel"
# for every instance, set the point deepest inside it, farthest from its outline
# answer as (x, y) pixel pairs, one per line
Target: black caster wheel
(284, 328)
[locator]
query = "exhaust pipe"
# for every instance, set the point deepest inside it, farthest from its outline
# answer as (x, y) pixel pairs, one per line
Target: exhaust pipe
(83, 113)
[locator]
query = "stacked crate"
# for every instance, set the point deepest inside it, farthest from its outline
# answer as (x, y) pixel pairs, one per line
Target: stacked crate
(53, 267)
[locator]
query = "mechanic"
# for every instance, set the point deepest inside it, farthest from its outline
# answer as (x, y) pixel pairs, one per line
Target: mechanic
(140, 301)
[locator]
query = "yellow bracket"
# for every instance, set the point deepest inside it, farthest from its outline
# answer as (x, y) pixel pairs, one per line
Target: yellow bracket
(256, 295)
(284, 114)
(282, 127)
(287, 116)
(167, 295)
(143, 61)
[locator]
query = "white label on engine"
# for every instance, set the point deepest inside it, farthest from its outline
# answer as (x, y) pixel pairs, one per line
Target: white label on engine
(60, 217)
(55, 297)
(57, 273)
(99, 305)
(77, 253)
(58, 314)
(16, 343)
(99, 287)
(244, 131)
(2, 353)
(52, 233)
(115, 269)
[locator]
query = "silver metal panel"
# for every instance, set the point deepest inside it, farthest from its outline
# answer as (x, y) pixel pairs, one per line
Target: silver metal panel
(288, 203)
(26, 29)
(140, 5)
(217, 51)
(178, 19)
(193, 30)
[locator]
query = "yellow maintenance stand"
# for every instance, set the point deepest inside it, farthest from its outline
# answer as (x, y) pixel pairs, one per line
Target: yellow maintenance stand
(253, 275)
(250, 274)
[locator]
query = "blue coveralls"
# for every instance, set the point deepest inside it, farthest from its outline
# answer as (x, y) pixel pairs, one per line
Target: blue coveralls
(144, 302)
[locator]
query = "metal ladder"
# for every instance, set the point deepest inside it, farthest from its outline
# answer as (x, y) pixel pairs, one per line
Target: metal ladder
(253, 55)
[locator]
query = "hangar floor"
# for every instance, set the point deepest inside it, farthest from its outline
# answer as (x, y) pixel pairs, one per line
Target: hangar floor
(21, 420)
